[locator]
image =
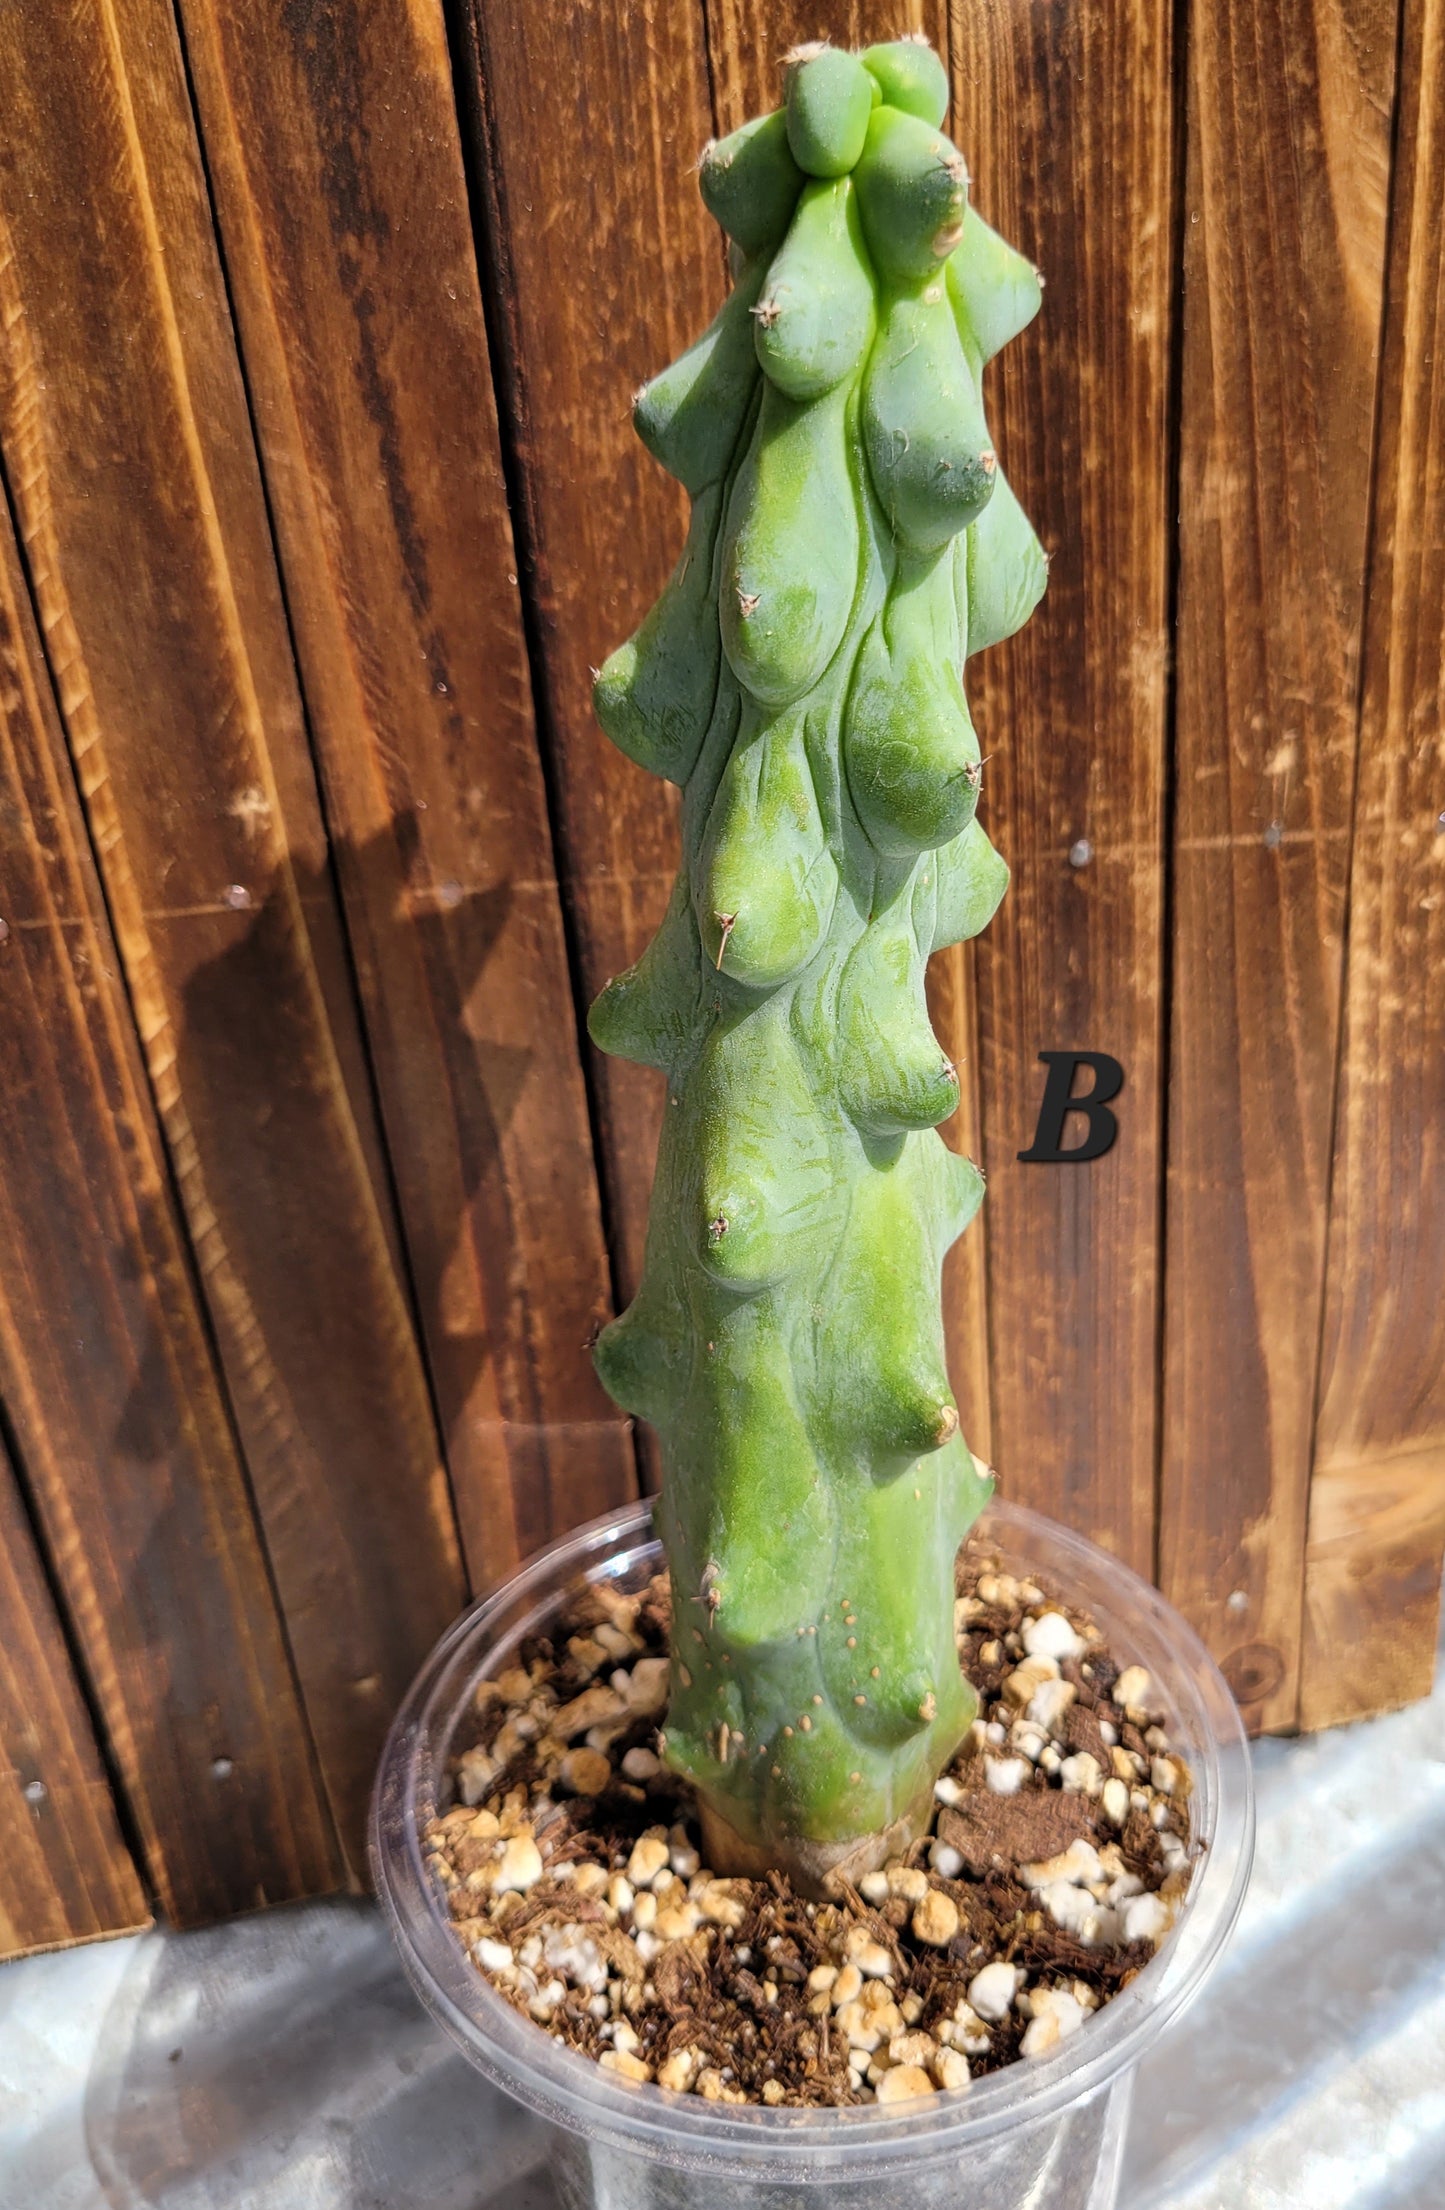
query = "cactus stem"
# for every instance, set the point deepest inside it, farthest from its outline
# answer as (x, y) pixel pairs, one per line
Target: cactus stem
(841, 468)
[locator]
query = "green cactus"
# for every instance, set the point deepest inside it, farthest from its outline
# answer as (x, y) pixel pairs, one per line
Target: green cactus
(852, 541)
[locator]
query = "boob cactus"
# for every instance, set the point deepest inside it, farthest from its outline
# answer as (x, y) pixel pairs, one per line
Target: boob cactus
(852, 541)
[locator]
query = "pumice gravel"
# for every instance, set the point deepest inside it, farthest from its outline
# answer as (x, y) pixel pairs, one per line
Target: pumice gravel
(1057, 1858)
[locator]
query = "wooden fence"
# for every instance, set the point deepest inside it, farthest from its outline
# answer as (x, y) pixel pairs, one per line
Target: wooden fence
(320, 320)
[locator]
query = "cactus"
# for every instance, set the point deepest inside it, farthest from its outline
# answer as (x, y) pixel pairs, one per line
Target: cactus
(852, 541)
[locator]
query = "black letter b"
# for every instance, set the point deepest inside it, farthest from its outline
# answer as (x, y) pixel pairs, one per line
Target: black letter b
(1047, 1148)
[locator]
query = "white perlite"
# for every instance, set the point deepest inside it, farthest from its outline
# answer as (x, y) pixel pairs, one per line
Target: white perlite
(1050, 1635)
(521, 1865)
(1057, 2015)
(1144, 1918)
(1049, 1703)
(1077, 1912)
(991, 1992)
(1077, 1865)
(1114, 1802)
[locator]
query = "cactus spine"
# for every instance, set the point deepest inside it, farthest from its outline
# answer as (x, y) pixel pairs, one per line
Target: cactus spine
(852, 542)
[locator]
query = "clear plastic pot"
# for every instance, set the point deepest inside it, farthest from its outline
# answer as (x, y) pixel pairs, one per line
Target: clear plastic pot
(1041, 2134)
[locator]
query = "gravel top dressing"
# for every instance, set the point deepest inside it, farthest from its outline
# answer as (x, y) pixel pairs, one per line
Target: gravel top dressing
(1058, 1855)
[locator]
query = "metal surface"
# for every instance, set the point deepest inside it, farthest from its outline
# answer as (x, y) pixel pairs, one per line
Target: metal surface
(281, 2063)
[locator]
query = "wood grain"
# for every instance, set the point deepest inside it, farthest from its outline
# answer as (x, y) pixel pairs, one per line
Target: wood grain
(588, 117)
(1065, 119)
(65, 1872)
(1377, 1497)
(1284, 253)
(336, 166)
(129, 454)
(111, 1391)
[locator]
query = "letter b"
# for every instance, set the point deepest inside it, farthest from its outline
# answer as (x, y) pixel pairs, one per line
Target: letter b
(1048, 1148)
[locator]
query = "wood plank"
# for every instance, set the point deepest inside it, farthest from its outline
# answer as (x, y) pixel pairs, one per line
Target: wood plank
(109, 1383)
(1284, 253)
(587, 117)
(335, 161)
(65, 1872)
(129, 454)
(745, 63)
(1377, 1499)
(1065, 119)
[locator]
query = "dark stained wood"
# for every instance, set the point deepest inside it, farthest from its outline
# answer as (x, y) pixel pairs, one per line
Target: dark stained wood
(1064, 117)
(589, 116)
(110, 1388)
(1284, 251)
(1377, 1498)
(65, 1872)
(129, 455)
(336, 166)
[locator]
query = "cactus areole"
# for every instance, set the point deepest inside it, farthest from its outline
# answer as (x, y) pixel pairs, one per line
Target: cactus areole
(852, 541)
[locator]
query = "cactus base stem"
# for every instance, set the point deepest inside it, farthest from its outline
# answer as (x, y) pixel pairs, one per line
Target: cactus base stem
(818, 1870)
(852, 543)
